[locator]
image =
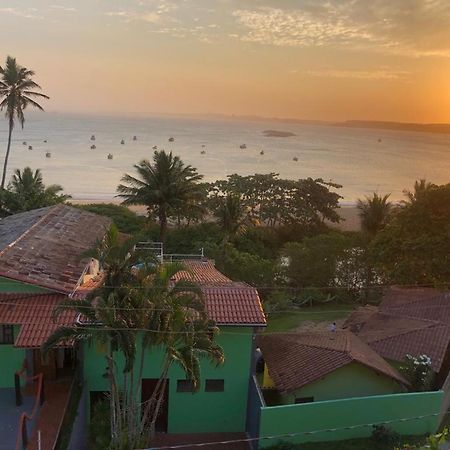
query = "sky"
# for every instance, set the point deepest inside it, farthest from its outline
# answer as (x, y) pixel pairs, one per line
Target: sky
(305, 59)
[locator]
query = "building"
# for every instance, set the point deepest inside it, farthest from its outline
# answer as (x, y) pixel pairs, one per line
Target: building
(220, 405)
(309, 367)
(408, 321)
(41, 263)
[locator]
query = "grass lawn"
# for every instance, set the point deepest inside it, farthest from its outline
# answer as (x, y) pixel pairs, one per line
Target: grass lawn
(286, 321)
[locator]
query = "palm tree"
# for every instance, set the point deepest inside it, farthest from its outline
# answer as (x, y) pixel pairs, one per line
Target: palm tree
(374, 213)
(231, 216)
(27, 191)
(163, 185)
(17, 92)
(140, 306)
(420, 187)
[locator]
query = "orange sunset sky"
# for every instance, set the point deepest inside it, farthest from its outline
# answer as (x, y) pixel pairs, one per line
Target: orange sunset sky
(307, 59)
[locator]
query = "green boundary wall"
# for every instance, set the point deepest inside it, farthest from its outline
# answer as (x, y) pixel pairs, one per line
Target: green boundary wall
(317, 416)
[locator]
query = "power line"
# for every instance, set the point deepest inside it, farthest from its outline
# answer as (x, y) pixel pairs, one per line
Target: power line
(296, 434)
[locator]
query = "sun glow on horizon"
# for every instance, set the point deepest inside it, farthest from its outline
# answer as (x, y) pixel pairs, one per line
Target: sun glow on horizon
(326, 60)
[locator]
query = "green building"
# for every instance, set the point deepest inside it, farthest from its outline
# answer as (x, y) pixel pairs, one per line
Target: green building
(220, 405)
(41, 263)
(310, 367)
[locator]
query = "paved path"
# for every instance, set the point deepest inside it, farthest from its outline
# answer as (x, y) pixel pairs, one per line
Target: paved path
(52, 414)
(9, 416)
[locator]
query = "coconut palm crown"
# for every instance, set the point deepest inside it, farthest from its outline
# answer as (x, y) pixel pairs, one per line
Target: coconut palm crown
(17, 92)
(163, 186)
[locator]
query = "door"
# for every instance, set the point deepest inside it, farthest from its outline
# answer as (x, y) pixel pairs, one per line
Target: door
(45, 366)
(148, 387)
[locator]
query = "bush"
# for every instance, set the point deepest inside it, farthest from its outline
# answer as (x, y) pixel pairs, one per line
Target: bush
(384, 437)
(418, 371)
(125, 220)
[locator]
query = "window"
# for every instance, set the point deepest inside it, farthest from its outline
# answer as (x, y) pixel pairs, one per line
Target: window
(215, 386)
(185, 386)
(304, 399)
(6, 334)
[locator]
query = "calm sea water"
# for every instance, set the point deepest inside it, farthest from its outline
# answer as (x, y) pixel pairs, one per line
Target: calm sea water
(352, 157)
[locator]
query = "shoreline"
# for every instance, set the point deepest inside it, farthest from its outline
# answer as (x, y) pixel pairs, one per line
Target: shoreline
(347, 211)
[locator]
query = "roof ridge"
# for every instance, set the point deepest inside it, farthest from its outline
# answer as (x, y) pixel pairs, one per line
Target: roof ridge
(428, 325)
(26, 232)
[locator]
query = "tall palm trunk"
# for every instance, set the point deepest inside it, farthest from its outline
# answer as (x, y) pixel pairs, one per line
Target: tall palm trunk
(162, 223)
(8, 148)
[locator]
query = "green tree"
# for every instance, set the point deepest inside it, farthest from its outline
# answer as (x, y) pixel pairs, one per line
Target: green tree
(17, 92)
(27, 191)
(414, 248)
(137, 295)
(231, 216)
(374, 213)
(332, 263)
(420, 187)
(163, 186)
(271, 201)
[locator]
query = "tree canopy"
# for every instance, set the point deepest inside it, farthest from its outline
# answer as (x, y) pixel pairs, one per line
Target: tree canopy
(165, 186)
(27, 191)
(414, 248)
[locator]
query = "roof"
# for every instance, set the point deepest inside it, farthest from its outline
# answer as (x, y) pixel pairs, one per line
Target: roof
(201, 271)
(408, 321)
(33, 312)
(396, 295)
(44, 247)
(297, 359)
(233, 304)
(227, 302)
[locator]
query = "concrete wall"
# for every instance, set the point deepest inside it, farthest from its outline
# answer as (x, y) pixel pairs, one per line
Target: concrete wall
(201, 411)
(11, 360)
(352, 380)
(360, 413)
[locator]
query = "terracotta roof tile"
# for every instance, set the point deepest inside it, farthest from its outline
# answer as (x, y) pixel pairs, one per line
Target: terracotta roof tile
(297, 359)
(408, 321)
(33, 312)
(227, 302)
(44, 247)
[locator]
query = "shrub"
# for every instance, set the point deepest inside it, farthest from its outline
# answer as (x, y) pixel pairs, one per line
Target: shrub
(384, 437)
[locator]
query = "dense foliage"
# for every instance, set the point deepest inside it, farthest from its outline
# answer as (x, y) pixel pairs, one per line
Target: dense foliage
(27, 191)
(125, 220)
(414, 247)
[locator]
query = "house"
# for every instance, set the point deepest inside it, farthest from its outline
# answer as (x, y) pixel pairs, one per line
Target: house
(408, 321)
(308, 367)
(220, 404)
(41, 263)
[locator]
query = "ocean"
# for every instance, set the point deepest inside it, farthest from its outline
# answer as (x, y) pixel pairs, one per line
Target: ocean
(362, 160)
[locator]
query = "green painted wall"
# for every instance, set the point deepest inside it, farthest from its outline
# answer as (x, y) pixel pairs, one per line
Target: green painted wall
(202, 411)
(11, 360)
(352, 380)
(315, 416)
(8, 285)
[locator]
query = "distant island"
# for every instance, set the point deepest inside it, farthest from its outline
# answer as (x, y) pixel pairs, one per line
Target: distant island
(277, 133)
(443, 128)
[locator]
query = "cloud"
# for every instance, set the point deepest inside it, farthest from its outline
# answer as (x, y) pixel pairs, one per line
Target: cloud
(414, 28)
(63, 8)
(298, 28)
(379, 74)
(28, 13)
